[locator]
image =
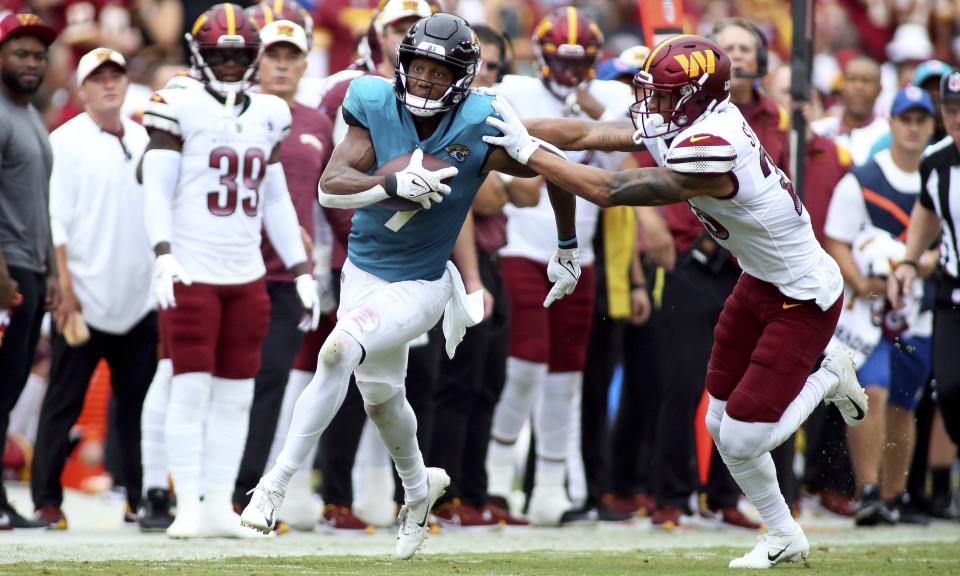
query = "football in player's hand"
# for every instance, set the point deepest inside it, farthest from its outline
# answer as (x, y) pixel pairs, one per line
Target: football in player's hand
(398, 164)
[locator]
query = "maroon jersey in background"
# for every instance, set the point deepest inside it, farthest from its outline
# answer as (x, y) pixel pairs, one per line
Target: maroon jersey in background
(304, 154)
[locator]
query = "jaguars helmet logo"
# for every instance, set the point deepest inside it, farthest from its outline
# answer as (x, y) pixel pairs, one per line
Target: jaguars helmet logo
(458, 152)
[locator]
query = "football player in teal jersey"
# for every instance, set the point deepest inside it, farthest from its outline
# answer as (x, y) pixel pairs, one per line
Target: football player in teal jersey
(397, 281)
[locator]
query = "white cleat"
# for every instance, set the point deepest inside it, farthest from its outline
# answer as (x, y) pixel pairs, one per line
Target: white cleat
(847, 395)
(773, 549)
(261, 513)
(548, 505)
(188, 521)
(414, 515)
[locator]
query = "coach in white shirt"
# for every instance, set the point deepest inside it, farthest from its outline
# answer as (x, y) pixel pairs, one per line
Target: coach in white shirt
(105, 263)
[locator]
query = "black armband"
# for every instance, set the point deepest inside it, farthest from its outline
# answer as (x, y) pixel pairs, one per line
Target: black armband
(912, 263)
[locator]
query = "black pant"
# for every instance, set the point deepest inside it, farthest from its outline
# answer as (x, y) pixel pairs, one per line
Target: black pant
(468, 389)
(946, 360)
(917, 475)
(278, 351)
(692, 300)
(604, 350)
(19, 345)
(828, 466)
(132, 358)
(632, 438)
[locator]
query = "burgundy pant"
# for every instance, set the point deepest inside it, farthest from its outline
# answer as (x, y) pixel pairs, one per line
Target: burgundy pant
(764, 347)
(217, 329)
(557, 335)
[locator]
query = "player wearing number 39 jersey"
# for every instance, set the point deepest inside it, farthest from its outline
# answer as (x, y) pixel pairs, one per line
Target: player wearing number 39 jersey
(212, 180)
(785, 306)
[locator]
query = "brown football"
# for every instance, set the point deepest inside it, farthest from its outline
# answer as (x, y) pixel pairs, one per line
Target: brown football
(399, 163)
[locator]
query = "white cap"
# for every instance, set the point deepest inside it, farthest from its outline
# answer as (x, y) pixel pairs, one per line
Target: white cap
(284, 31)
(395, 10)
(97, 58)
(910, 42)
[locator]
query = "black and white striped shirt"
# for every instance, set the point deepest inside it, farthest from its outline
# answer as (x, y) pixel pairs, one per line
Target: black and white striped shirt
(940, 192)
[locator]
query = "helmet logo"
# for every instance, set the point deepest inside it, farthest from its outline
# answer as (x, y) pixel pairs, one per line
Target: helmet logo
(697, 63)
(432, 48)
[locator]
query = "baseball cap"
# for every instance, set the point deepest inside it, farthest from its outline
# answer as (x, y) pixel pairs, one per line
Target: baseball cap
(13, 25)
(929, 69)
(950, 87)
(97, 58)
(395, 10)
(284, 31)
(911, 98)
(613, 68)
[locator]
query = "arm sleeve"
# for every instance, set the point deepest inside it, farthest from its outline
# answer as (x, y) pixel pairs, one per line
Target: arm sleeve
(161, 171)
(62, 194)
(847, 213)
(280, 217)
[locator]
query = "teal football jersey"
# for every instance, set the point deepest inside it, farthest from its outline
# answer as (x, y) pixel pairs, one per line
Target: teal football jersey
(384, 242)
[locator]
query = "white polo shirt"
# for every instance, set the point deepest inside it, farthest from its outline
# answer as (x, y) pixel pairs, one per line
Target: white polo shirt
(96, 210)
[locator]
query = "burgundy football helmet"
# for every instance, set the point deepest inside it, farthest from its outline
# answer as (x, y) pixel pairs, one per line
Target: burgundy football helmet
(270, 10)
(223, 35)
(684, 78)
(566, 43)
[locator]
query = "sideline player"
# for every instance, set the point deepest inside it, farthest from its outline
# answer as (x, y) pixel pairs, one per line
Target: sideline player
(785, 306)
(212, 180)
(397, 281)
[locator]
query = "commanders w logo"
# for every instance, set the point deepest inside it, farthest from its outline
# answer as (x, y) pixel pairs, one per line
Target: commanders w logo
(697, 63)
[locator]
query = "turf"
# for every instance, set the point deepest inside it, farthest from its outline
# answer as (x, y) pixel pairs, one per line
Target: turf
(928, 559)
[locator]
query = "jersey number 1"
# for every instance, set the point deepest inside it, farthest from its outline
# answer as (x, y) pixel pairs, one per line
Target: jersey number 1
(224, 202)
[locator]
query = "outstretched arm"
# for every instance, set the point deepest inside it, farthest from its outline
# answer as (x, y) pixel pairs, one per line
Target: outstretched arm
(637, 187)
(576, 134)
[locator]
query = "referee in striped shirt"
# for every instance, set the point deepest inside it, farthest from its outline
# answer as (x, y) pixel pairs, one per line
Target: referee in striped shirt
(938, 213)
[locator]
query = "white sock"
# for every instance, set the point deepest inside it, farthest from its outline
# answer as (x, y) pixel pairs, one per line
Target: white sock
(296, 384)
(555, 414)
(524, 380)
(317, 405)
(757, 477)
(810, 396)
(227, 424)
(397, 425)
(576, 472)
(184, 430)
(153, 447)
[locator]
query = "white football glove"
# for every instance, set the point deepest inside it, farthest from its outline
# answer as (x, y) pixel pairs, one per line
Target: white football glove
(515, 140)
(166, 271)
(324, 278)
(564, 271)
(307, 291)
(420, 185)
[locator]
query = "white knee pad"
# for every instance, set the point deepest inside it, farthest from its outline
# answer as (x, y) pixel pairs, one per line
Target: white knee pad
(714, 416)
(339, 347)
(745, 440)
(377, 393)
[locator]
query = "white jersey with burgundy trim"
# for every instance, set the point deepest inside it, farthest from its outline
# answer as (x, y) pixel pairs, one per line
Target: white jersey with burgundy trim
(763, 222)
(217, 219)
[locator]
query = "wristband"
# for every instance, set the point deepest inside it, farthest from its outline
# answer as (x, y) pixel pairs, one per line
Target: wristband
(567, 244)
(505, 179)
(390, 185)
(912, 263)
(638, 286)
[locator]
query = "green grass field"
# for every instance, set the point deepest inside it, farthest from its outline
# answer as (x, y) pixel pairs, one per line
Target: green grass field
(927, 559)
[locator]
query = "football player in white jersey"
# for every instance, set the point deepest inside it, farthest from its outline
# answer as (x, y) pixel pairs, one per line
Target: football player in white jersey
(212, 179)
(548, 346)
(785, 306)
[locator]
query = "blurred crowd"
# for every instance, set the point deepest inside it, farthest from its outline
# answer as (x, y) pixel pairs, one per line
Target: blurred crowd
(636, 443)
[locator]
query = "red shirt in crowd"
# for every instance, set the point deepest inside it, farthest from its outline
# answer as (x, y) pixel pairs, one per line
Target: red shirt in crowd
(304, 154)
(826, 162)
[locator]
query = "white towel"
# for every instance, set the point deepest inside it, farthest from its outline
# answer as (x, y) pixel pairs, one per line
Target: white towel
(462, 311)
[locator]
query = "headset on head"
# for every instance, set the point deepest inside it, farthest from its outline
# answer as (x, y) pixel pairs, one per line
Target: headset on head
(763, 48)
(506, 50)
